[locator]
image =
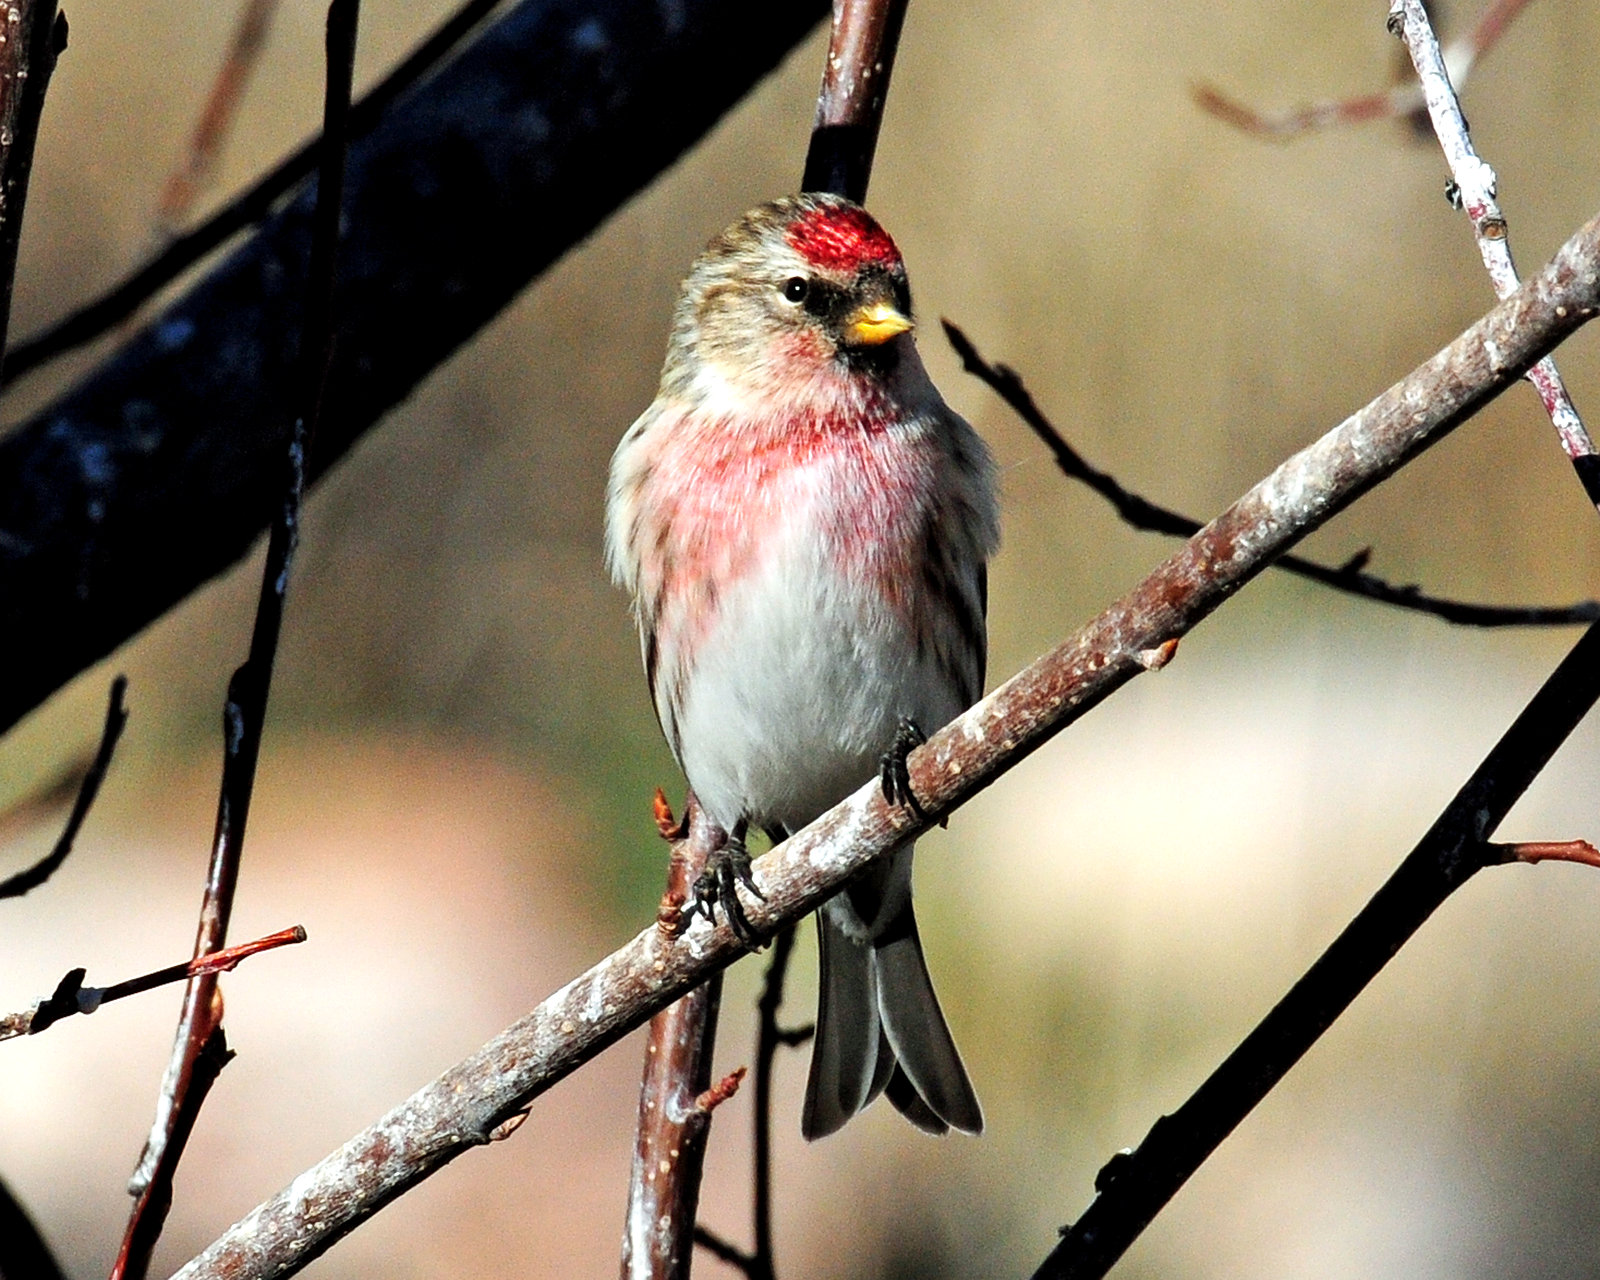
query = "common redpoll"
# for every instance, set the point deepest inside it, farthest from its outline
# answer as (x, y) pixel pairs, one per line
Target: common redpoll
(803, 524)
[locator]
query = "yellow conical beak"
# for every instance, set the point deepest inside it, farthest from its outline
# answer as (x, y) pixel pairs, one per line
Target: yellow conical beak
(875, 324)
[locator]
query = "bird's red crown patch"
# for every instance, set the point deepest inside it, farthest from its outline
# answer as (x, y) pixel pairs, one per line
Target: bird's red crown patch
(841, 239)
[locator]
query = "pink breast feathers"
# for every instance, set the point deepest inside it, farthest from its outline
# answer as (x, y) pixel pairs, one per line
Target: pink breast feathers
(727, 502)
(842, 239)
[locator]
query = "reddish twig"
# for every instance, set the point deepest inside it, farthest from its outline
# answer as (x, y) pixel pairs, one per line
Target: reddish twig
(199, 1031)
(676, 1097)
(32, 877)
(855, 83)
(1472, 188)
(34, 35)
(99, 316)
(459, 1109)
(72, 997)
(1350, 577)
(1535, 851)
(1396, 103)
(1135, 1185)
(216, 118)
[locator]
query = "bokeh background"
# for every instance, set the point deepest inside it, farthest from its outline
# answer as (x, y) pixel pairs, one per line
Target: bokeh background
(453, 795)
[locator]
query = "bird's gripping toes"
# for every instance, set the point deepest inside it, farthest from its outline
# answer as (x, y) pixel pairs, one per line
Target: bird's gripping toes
(804, 525)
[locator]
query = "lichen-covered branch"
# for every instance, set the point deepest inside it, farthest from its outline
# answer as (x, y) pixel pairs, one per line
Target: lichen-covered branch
(462, 1108)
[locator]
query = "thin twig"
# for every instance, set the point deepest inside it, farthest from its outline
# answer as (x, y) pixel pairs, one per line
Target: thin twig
(72, 997)
(95, 318)
(674, 1112)
(758, 1264)
(216, 118)
(1472, 188)
(244, 714)
(34, 876)
(768, 1040)
(1401, 101)
(462, 1107)
(1350, 577)
(34, 35)
(1135, 1185)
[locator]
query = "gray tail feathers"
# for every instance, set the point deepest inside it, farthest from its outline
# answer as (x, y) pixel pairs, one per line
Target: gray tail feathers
(879, 1026)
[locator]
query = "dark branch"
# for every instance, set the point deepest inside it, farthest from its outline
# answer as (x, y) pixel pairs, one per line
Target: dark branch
(1146, 515)
(95, 318)
(24, 1255)
(722, 1250)
(35, 36)
(1134, 1186)
(160, 470)
(244, 716)
(34, 876)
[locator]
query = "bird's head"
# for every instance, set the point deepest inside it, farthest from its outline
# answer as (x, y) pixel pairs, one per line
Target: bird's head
(803, 290)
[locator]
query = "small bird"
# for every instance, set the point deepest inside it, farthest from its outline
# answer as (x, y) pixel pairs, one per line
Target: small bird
(804, 526)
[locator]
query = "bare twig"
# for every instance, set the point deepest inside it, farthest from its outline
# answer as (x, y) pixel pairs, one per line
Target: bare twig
(72, 997)
(1141, 513)
(1535, 851)
(24, 1255)
(199, 1035)
(1400, 101)
(674, 1111)
(758, 1264)
(119, 302)
(1135, 1185)
(458, 1110)
(32, 36)
(211, 130)
(34, 876)
(1472, 187)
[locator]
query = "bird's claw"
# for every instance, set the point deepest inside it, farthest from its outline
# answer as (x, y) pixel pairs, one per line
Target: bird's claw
(718, 885)
(893, 770)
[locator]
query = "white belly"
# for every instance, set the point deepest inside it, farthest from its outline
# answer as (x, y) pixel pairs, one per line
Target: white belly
(796, 692)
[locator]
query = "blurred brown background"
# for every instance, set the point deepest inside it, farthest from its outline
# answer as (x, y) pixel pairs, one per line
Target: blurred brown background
(453, 794)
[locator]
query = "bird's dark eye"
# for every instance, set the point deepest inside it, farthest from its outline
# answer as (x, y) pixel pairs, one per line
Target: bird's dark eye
(795, 289)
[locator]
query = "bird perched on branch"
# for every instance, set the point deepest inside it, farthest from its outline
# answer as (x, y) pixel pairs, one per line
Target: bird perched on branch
(804, 526)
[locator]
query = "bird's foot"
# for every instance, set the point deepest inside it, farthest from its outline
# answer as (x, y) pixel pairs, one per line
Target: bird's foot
(893, 770)
(727, 867)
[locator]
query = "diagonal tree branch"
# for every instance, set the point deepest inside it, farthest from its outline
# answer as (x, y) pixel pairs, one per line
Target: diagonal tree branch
(1136, 1185)
(161, 468)
(462, 1107)
(1141, 513)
